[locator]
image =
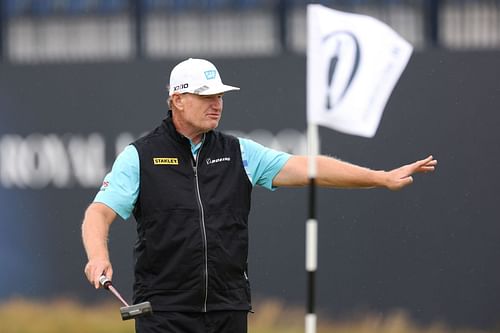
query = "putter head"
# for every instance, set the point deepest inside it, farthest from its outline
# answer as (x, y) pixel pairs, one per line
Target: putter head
(136, 310)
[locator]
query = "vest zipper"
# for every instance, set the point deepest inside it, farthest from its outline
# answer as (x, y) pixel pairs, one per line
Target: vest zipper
(203, 230)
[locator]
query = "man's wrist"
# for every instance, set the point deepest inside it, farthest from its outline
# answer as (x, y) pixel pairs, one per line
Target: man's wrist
(381, 178)
(98, 258)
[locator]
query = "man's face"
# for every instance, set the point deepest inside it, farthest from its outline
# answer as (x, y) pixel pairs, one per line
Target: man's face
(201, 113)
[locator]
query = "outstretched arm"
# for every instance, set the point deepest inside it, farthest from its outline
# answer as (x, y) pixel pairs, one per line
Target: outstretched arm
(95, 230)
(335, 173)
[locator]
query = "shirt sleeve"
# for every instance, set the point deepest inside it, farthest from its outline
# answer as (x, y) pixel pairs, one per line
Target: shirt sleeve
(120, 187)
(261, 164)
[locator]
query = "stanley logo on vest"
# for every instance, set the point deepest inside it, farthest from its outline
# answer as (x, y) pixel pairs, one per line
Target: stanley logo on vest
(165, 161)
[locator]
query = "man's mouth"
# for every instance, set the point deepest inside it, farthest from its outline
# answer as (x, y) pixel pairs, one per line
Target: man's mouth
(213, 115)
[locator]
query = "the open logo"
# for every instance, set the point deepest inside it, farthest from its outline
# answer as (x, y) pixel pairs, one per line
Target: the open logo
(343, 52)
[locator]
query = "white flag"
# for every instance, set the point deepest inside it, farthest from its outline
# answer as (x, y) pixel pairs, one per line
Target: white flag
(353, 64)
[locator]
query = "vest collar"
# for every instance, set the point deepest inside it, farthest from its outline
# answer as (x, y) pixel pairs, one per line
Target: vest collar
(169, 127)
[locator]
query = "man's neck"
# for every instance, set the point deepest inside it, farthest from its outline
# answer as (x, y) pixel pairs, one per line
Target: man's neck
(194, 136)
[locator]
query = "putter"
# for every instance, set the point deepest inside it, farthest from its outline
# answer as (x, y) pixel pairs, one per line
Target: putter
(127, 311)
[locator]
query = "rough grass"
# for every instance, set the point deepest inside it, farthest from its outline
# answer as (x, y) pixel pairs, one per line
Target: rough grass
(22, 316)
(64, 316)
(274, 317)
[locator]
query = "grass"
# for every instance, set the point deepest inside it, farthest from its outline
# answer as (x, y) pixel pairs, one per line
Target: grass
(274, 317)
(22, 316)
(65, 316)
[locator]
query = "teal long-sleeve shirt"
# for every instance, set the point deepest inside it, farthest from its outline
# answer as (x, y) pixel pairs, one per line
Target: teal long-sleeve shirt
(120, 188)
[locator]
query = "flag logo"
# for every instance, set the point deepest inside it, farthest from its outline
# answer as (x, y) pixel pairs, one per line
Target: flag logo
(343, 65)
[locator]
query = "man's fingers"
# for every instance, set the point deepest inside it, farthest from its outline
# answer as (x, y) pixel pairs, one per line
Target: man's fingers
(94, 270)
(431, 163)
(95, 279)
(425, 165)
(108, 272)
(424, 161)
(406, 181)
(402, 176)
(89, 272)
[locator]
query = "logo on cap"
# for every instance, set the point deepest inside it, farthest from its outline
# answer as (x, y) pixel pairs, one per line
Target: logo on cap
(181, 86)
(210, 74)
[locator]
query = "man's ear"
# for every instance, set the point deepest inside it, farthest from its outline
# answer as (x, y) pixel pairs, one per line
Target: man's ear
(175, 101)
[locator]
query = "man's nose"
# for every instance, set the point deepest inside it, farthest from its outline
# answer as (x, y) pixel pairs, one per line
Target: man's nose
(216, 102)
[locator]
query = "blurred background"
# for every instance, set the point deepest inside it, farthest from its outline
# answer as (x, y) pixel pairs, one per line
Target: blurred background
(81, 79)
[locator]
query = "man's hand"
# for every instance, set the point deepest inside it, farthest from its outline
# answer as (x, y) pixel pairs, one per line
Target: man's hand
(398, 178)
(95, 268)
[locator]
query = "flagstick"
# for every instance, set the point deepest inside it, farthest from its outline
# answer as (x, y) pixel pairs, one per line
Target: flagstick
(311, 228)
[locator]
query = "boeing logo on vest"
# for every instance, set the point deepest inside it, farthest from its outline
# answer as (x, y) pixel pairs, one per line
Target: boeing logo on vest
(218, 160)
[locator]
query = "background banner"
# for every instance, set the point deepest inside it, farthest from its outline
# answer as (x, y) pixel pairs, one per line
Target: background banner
(431, 249)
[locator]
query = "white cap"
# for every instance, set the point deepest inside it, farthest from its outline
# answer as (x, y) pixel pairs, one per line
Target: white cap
(197, 76)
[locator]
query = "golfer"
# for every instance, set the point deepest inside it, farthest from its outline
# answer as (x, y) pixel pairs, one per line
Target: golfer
(189, 189)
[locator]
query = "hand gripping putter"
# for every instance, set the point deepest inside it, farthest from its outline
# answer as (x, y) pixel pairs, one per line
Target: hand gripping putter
(127, 311)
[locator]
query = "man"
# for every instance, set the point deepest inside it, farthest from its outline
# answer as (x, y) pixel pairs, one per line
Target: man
(188, 187)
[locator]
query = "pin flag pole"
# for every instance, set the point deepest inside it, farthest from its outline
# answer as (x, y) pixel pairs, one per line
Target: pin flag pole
(311, 228)
(380, 56)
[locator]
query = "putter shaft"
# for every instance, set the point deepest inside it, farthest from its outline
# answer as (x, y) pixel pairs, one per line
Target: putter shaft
(106, 283)
(117, 294)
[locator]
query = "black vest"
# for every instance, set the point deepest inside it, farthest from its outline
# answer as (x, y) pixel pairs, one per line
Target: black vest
(192, 223)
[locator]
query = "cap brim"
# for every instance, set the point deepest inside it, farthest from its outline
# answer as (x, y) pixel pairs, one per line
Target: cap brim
(219, 89)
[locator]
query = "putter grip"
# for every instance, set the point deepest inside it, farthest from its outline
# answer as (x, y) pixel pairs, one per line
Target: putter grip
(105, 282)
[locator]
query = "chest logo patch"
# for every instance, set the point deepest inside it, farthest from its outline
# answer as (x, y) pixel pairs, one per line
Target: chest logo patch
(218, 160)
(165, 161)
